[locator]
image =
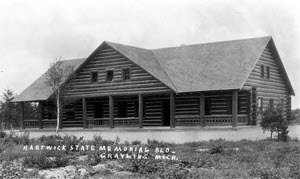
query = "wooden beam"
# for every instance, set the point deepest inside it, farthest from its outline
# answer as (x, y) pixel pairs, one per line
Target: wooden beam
(40, 110)
(84, 113)
(111, 111)
(95, 94)
(234, 108)
(22, 115)
(202, 109)
(141, 112)
(172, 110)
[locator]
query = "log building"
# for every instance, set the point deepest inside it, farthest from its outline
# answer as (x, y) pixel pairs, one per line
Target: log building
(220, 83)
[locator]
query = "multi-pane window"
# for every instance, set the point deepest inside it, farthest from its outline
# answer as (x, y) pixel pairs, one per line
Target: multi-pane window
(126, 74)
(262, 71)
(94, 77)
(109, 75)
(268, 72)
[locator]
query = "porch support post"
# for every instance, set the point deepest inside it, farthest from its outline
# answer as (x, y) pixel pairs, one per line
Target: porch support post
(234, 108)
(84, 115)
(172, 110)
(111, 111)
(40, 110)
(22, 115)
(202, 110)
(141, 112)
(254, 106)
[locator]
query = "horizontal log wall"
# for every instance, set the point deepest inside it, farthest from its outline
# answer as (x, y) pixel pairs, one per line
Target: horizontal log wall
(187, 108)
(131, 106)
(221, 103)
(91, 107)
(109, 59)
(77, 121)
(153, 113)
(273, 88)
(218, 103)
(187, 105)
(47, 108)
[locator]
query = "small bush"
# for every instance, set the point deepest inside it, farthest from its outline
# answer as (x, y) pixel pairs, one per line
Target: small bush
(2, 134)
(52, 140)
(16, 170)
(136, 142)
(173, 172)
(266, 173)
(143, 166)
(16, 139)
(217, 146)
(40, 161)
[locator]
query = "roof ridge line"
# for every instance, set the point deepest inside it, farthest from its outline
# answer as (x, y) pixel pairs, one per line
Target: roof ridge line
(223, 41)
(164, 70)
(127, 45)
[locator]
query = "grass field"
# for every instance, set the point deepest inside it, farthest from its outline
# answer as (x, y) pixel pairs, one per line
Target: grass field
(20, 157)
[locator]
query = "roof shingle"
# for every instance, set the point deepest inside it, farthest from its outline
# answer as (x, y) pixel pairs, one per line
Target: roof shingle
(189, 68)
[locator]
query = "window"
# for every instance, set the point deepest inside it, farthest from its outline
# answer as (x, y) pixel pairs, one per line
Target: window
(109, 75)
(126, 74)
(268, 72)
(94, 77)
(262, 71)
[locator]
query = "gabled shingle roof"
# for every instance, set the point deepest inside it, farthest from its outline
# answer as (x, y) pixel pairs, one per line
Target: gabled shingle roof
(38, 90)
(201, 67)
(145, 59)
(211, 66)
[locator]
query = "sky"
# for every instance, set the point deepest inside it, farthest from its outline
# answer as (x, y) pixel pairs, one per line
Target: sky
(34, 33)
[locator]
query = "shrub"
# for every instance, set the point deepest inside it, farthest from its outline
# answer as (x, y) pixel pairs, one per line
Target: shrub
(152, 144)
(40, 161)
(2, 134)
(143, 166)
(136, 142)
(16, 170)
(173, 171)
(14, 138)
(52, 140)
(274, 121)
(266, 173)
(217, 146)
(71, 141)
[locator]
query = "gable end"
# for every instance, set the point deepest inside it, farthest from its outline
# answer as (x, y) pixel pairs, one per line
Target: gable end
(108, 59)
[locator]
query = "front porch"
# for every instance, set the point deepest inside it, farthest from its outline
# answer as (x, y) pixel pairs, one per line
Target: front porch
(219, 108)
